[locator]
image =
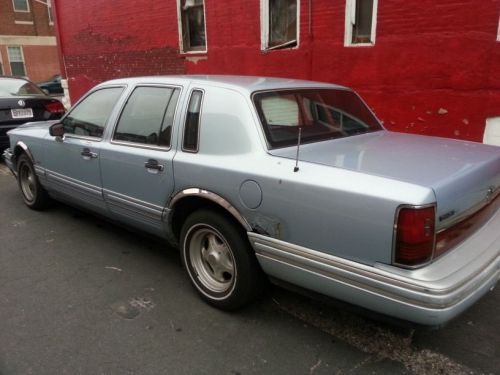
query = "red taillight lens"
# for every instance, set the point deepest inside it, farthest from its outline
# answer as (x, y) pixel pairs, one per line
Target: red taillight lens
(415, 236)
(55, 107)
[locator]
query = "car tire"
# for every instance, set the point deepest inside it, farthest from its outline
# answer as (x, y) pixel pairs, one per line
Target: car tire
(219, 260)
(34, 195)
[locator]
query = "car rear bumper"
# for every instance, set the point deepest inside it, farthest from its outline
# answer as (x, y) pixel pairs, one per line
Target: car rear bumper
(431, 295)
(8, 157)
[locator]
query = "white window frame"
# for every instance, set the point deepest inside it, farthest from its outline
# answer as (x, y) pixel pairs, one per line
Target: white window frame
(498, 32)
(22, 57)
(49, 12)
(179, 23)
(2, 70)
(21, 11)
(350, 21)
(264, 28)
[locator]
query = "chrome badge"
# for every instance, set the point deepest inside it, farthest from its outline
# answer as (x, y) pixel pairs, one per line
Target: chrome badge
(21, 103)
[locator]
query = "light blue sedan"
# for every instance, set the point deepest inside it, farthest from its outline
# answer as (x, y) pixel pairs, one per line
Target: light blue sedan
(256, 178)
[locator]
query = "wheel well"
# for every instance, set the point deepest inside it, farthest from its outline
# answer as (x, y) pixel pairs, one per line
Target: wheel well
(187, 206)
(18, 151)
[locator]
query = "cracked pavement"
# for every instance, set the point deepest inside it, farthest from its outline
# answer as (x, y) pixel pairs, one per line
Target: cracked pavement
(79, 295)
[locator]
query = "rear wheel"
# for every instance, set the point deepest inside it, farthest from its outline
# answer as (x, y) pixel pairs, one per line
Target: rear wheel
(219, 260)
(34, 195)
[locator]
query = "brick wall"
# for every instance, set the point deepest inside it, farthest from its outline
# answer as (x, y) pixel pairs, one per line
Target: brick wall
(433, 70)
(40, 55)
(38, 15)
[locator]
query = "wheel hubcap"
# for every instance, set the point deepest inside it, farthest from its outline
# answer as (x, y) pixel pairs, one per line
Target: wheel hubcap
(27, 182)
(212, 260)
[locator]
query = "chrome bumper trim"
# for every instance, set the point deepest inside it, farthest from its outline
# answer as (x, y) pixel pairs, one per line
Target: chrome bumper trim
(374, 287)
(8, 156)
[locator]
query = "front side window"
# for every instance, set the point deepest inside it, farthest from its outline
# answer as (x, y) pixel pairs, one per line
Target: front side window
(321, 114)
(280, 24)
(192, 25)
(192, 125)
(89, 117)
(21, 5)
(361, 16)
(148, 116)
(16, 61)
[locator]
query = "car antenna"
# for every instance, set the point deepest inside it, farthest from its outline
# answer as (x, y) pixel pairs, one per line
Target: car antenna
(296, 168)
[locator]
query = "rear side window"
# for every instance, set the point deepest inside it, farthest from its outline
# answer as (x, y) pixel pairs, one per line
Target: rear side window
(192, 125)
(89, 117)
(148, 116)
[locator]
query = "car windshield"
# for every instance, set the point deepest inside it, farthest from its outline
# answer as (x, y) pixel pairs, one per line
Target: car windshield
(18, 87)
(322, 114)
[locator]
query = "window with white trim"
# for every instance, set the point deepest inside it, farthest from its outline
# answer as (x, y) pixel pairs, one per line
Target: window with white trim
(16, 60)
(360, 22)
(498, 32)
(192, 29)
(49, 10)
(1, 64)
(21, 5)
(279, 24)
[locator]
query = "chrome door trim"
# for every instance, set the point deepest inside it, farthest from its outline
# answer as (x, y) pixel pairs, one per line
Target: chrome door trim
(136, 206)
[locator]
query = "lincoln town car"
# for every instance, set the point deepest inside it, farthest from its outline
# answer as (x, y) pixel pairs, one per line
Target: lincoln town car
(258, 179)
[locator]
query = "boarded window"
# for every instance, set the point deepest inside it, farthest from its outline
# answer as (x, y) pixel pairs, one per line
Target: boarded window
(16, 61)
(49, 10)
(360, 22)
(192, 125)
(192, 25)
(282, 23)
(21, 5)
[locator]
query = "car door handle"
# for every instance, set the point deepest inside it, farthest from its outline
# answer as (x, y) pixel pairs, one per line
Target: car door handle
(153, 167)
(87, 154)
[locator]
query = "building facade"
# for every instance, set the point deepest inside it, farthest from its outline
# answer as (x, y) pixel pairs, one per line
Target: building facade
(424, 66)
(27, 40)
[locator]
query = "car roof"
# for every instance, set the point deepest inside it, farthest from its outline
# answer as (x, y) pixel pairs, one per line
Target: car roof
(246, 84)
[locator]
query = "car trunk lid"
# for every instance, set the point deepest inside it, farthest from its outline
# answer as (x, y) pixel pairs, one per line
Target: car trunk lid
(463, 175)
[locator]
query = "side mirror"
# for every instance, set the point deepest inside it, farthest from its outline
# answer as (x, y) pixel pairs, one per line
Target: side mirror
(57, 130)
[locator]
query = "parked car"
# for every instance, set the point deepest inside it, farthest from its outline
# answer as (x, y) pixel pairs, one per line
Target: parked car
(52, 86)
(291, 179)
(22, 101)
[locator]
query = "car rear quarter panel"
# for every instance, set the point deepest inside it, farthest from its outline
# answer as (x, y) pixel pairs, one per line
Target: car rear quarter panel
(336, 211)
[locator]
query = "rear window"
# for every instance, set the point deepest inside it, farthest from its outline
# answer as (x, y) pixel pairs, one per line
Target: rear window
(321, 114)
(18, 87)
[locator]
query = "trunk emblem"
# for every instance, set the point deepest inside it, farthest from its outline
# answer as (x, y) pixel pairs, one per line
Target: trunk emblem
(21, 103)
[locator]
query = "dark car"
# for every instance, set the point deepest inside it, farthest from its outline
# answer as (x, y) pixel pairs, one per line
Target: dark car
(52, 86)
(22, 101)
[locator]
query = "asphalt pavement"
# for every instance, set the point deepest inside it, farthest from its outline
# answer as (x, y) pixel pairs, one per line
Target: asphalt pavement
(80, 295)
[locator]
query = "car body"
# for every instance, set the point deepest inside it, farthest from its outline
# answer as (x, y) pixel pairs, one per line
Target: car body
(22, 101)
(292, 179)
(52, 86)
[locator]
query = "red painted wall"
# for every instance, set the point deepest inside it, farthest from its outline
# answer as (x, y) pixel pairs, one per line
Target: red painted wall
(434, 69)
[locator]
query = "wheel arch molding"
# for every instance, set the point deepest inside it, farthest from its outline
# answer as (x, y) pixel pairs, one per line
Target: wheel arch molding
(193, 195)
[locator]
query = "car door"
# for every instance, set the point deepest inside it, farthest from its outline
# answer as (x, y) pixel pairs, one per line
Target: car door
(136, 164)
(72, 165)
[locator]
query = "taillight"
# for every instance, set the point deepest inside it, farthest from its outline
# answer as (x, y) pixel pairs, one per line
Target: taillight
(415, 236)
(55, 107)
